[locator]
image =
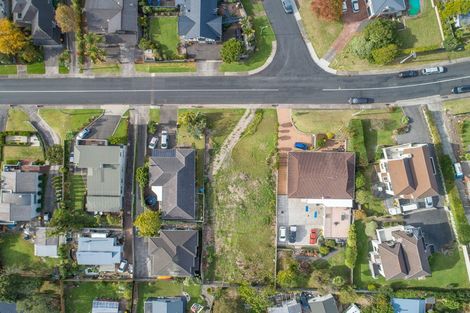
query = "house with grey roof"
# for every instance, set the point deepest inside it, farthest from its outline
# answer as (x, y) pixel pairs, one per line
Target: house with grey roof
(46, 245)
(199, 21)
(100, 306)
(376, 8)
(7, 307)
(291, 306)
(103, 252)
(172, 180)
(115, 19)
(104, 167)
(39, 17)
(323, 304)
(19, 197)
(165, 305)
(174, 253)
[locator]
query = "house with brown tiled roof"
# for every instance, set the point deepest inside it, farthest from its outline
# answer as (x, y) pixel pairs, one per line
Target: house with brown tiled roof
(399, 252)
(320, 191)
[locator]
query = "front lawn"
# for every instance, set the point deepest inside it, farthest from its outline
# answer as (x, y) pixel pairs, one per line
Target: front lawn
(106, 68)
(18, 120)
(80, 295)
(65, 120)
(169, 288)
(244, 201)
(264, 42)
(64, 69)
(164, 31)
(23, 153)
(180, 67)
(154, 115)
(36, 68)
(8, 70)
(15, 252)
(322, 121)
(459, 106)
(77, 192)
(321, 33)
(120, 133)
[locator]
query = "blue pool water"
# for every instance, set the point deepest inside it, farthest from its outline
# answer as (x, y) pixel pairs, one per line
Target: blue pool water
(415, 7)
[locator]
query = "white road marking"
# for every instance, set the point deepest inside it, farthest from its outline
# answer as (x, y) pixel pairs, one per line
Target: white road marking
(138, 90)
(397, 87)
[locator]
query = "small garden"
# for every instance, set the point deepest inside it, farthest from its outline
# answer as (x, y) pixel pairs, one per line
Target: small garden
(120, 134)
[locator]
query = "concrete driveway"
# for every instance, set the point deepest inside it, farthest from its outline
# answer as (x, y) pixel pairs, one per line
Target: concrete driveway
(3, 117)
(288, 135)
(104, 127)
(419, 132)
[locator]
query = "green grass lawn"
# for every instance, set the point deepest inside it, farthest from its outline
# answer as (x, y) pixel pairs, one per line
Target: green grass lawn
(168, 288)
(164, 30)
(154, 115)
(8, 69)
(321, 33)
(77, 192)
(322, 121)
(465, 133)
(264, 42)
(120, 133)
(181, 67)
(244, 202)
(15, 252)
(106, 68)
(79, 299)
(458, 106)
(63, 69)
(22, 153)
(36, 68)
(18, 120)
(447, 270)
(63, 120)
(421, 31)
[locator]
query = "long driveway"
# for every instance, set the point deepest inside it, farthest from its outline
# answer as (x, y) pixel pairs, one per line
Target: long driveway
(292, 78)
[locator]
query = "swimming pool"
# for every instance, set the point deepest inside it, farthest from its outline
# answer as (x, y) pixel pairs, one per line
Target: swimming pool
(415, 7)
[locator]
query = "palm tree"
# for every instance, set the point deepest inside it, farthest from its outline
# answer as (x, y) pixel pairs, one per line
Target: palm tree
(92, 49)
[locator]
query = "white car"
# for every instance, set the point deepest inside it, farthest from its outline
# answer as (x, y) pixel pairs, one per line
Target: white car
(153, 143)
(428, 202)
(282, 233)
(122, 266)
(433, 70)
(164, 142)
(355, 5)
(345, 6)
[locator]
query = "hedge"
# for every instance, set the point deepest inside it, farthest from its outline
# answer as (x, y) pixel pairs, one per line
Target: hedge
(357, 143)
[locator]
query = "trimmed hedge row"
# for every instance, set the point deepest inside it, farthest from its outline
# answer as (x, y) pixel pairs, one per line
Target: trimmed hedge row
(357, 144)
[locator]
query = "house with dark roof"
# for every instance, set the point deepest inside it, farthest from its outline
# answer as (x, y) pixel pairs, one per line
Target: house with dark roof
(324, 304)
(174, 253)
(376, 8)
(39, 17)
(199, 21)
(19, 198)
(165, 305)
(400, 252)
(104, 167)
(172, 180)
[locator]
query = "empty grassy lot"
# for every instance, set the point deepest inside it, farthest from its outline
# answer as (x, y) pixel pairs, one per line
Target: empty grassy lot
(106, 68)
(18, 120)
(79, 296)
(459, 106)
(36, 68)
(244, 202)
(322, 121)
(165, 288)
(77, 192)
(164, 30)
(22, 153)
(321, 33)
(64, 120)
(181, 67)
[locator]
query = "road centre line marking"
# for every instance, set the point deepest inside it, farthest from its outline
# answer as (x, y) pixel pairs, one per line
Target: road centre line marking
(138, 90)
(398, 87)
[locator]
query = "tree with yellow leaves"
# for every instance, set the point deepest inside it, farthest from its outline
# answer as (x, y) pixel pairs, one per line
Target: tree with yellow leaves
(12, 39)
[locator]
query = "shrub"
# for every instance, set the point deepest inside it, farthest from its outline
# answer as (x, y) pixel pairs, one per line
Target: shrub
(370, 229)
(381, 33)
(361, 47)
(357, 143)
(385, 54)
(324, 250)
(330, 243)
(148, 223)
(351, 248)
(231, 50)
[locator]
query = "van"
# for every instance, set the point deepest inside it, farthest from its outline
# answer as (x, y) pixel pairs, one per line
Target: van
(164, 143)
(153, 143)
(433, 70)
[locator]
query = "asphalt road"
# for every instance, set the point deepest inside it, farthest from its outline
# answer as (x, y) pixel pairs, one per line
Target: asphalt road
(292, 78)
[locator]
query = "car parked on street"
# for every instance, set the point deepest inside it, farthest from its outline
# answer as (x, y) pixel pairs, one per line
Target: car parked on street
(287, 5)
(407, 74)
(292, 234)
(355, 5)
(433, 70)
(282, 234)
(359, 100)
(461, 89)
(301, 146)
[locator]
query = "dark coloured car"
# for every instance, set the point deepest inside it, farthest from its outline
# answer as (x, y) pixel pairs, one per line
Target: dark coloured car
(301, 145)
(461, 89)
(356, 100)
(292, 234)
(407, 74)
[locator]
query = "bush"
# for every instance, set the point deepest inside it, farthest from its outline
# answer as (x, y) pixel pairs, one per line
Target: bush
(357, 141)
(370, 229)
(55, 154)
(324, 250)
(381, 33)
(351, 248)
(231, 51)
(330, 243)
(385, 54)
(142, 176)
(361, 47)
(148, 223)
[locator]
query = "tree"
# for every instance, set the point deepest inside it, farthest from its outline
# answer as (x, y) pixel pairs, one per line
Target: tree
(338, 281)
(324, 250)
(362, 197)
(66, 18)
(329, 10)
(370, 229)
(65, 219)
(451, 43)
(348, 295)
(12, 39)
(361, 47)
(231, 51)
(142, 176)
(381, 32)
(148, 223)
(195, 121)
(351, 248)
(14, 287)
(360, 180)
(31, 54)
(92, 49)
(258, 301)
(38, 303)
(55, 154)
(385, 54)
(286, 278)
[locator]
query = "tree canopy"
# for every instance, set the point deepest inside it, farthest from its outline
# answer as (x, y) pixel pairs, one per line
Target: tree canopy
(148, 223)
(231, 50)
(66, 18)
(329, 10)
(12, 39)
(55, 154)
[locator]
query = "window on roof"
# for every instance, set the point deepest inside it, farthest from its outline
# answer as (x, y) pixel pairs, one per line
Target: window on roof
(433, 166)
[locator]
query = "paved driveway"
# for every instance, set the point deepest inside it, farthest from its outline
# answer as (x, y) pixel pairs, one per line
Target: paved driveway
(3, 117)
(104, 127)
(434, 224)
(419, 132)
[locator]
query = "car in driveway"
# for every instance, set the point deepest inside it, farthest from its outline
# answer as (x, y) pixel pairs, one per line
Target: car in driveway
(282, 234)
(164, 142)
(153, 143)
(407, 74)
(428, 202)
(355, 5)
(84, 133)
(461, 89)
(287, 5)
(360, 100)
(301, 146)
(122, 266)
(345, 6)
(433, 70)
(292, 233)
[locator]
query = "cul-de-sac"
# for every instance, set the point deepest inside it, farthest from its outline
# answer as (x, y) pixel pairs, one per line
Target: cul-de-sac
(234, 156)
